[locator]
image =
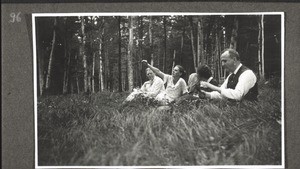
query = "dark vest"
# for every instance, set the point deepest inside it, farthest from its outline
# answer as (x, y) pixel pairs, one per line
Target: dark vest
(233, 80)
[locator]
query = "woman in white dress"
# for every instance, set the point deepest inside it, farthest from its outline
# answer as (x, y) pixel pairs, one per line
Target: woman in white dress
(175, 85)
(150, 88)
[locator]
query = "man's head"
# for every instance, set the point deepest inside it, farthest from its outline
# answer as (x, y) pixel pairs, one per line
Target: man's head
(204, 72)
(150, 74)
(230, 59)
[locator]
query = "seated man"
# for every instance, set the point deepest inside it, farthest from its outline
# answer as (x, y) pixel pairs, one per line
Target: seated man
(240, 84)
(150, 88)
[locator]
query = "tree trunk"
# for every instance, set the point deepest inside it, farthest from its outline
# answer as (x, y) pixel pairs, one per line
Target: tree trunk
(182, 40)
(262, 47)
(120, 56)
(165, 44)
(48, 76)
(174, 57)
(181, 45)
(77, 85)
(41, 75)
(217, 60)
(140, 55)
(106, 68)
(41, 64)
(83, 56)
(111, 78)
(129, 55)
(93, 72)
(233, 41)
(67, 61)
(201, 58)
(150, 41)
(66, 73)
(192, 44)
(101, 85)
(259, 45)
(76, 75)
(198, 44)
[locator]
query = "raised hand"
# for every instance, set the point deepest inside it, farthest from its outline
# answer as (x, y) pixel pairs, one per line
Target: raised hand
(144, 62)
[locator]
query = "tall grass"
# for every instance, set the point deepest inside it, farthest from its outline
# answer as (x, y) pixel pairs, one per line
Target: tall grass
(96, 130)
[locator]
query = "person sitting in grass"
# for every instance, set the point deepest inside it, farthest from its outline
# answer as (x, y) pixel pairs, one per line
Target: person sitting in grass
(175, 85)
(194, 89)
(150, 88)
(203, 74)
(240, 84)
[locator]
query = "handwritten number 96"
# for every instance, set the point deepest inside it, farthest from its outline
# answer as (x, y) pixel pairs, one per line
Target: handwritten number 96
(15, 17)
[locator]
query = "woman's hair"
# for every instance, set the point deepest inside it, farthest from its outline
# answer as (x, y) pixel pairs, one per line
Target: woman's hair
(181, 70)
(204, 71)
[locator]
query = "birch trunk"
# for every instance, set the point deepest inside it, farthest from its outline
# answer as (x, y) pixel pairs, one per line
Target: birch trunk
(198, 44)
(120, 56)
(48, 76)
(83, 55)
(66, 74)
(233, 41)
(93, 73)
(150, 40)
(217, 60)
(67, 62)
(193, 45)
(129, 55)
(41, 77)
(259, 46)
(201, 45)
(101, 84)
(140, 55)
(106, 68)
(181, 46)
(77, 74)
(165, 44)
(174, 57)
(262, 47)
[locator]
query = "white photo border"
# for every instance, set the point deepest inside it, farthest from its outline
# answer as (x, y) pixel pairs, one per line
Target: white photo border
(34, 15)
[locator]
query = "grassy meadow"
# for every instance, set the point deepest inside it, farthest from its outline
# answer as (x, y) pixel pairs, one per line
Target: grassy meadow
(95, 130)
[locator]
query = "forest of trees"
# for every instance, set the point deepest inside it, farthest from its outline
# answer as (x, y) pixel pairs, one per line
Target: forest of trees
(96, 53)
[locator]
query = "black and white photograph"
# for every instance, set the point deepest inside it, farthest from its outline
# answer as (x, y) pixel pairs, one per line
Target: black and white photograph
(158, 89)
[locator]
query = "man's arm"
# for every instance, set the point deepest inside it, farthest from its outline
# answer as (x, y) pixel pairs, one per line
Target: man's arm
(214, 94)
(246, 81)
(213, 87)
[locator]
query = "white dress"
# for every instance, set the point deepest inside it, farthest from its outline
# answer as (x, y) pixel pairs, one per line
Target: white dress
(172, 91)
(150, 89)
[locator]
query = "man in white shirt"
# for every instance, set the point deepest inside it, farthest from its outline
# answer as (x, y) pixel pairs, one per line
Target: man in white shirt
(240, 84)
(150, 88)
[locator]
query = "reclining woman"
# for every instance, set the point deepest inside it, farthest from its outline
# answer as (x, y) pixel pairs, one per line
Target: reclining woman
(175, 85)
(150, 88)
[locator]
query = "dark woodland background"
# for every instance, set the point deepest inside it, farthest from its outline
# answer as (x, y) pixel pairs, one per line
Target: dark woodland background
(103, 53)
